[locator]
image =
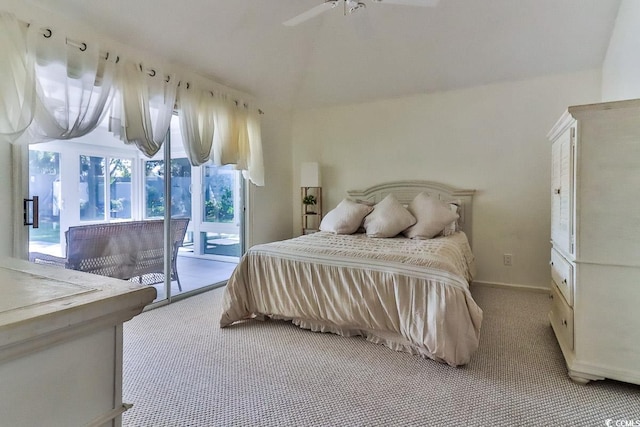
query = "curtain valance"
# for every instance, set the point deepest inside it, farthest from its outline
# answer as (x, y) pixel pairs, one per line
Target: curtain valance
(54, 89)
(217, 129)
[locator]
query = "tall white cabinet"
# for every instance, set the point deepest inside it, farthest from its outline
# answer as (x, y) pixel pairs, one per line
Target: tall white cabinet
(595, 237)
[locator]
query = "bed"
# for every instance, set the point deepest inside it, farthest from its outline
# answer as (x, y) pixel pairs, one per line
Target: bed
(407, 294)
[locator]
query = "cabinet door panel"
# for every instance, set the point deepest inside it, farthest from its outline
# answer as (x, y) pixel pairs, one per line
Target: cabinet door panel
(609, 182)
(561, 209)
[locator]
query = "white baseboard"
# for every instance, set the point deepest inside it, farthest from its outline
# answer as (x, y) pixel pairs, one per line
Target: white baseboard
(528, 288)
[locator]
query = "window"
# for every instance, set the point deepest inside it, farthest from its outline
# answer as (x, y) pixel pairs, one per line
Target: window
(91, 188)
(120, 188)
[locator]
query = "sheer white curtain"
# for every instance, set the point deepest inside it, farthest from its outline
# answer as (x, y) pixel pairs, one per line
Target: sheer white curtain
(142, 110)
(246, 141)
(223, 131)
(17, 82)
(196, 110)
(75, 87)
(225, 150)
(49, 87)
(55, 88)
(255, 163)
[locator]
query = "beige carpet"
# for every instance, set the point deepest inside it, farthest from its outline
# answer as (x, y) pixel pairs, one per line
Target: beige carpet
(181, 369)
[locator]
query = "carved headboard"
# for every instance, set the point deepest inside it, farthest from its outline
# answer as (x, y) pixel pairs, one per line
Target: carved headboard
(405, 191)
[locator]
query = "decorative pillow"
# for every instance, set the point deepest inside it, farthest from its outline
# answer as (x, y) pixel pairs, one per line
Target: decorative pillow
(449, 229)
(388, 218)
(432, 215)
(345, 218)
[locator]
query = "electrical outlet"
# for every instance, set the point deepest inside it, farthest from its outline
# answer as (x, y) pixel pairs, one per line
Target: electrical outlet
(507, 259)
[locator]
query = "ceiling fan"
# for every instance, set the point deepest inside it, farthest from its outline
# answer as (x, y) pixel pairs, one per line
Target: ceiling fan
(351, 6)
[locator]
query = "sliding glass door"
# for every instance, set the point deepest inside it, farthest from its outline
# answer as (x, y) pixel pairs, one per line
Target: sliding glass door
(100, 183)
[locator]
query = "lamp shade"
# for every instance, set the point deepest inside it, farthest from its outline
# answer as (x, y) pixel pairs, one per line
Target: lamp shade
(310, 174)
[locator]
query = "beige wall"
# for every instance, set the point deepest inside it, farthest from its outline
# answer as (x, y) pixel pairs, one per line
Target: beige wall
(270, 213)
(621, 68)
(490, 138)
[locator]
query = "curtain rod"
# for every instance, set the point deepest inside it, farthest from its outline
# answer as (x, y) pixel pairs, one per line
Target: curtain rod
(82, 46)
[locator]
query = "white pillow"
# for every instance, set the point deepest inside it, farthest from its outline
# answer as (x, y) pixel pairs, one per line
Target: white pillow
(451, 228)
(345, 218)
(388, 218)
(433, 216)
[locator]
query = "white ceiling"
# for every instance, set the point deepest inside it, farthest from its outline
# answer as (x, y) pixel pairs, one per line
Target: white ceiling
(382, 51)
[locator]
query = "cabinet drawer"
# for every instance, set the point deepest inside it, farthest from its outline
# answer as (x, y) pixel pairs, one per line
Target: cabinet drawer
(562, 275)
(561, 317)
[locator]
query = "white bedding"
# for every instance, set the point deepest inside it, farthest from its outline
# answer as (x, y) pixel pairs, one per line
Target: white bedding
(410, 295)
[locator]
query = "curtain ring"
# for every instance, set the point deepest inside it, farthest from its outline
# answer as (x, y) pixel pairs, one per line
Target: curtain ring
(106, 56)
(187, 85)
(47, 33)
(152, 72)
(168, 78)
(83, 47)
(117, 59)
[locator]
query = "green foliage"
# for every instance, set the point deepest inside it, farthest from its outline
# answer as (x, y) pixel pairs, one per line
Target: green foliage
(309, 200)
(43, 162)
(220, 210)
(155, 202)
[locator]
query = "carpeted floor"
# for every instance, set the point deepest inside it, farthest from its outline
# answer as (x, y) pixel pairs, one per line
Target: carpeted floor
(181, 369)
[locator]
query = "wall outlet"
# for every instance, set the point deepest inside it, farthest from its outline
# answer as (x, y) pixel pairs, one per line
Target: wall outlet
(507, 259)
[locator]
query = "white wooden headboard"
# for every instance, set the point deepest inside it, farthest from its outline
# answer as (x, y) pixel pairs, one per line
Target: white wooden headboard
(405, 191)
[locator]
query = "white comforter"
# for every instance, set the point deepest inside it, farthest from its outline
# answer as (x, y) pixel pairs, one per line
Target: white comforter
(410, 295)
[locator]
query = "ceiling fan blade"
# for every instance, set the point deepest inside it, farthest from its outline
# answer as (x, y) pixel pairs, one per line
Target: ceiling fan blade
(421, 3)
(311, 13)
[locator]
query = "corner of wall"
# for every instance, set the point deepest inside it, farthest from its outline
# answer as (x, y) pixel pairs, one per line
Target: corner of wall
(621, 66)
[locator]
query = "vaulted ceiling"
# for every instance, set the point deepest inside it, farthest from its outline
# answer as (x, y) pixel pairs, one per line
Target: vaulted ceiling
(382, 51)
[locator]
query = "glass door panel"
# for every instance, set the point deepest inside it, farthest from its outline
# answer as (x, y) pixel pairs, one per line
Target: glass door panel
(180, 188)
(154, 209)
(96, 180)
(94, 185)
(44, 182)
(220, 231)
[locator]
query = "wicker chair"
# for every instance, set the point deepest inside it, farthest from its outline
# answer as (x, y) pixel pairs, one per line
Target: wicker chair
(132, 250)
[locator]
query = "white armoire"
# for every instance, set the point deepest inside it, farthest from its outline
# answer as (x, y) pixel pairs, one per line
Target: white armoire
(595, 239)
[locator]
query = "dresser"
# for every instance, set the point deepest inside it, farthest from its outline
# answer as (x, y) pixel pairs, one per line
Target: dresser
(61, 345)
(595, 240)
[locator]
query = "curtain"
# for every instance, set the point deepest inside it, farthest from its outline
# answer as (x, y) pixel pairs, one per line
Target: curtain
(222, 131)
(74, 85)
(141, 113)
(54, 88)
(17, 82)
(224, 149)
(196, 110)
(255, 163)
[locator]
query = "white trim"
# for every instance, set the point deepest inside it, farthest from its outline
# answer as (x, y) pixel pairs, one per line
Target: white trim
(514, 286)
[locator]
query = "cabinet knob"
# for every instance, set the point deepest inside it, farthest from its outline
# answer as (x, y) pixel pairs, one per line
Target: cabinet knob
(556, 191)
(564, 281)
(564, 322)
(550, 296)
(550, 262)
